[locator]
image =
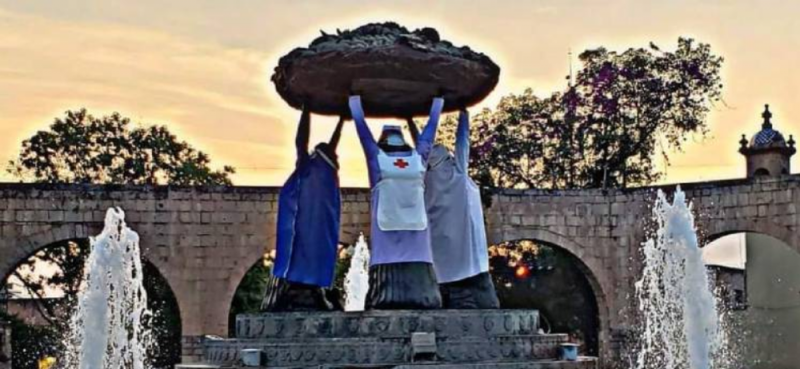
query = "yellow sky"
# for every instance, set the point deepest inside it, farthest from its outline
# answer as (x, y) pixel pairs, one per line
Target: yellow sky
(202, 67)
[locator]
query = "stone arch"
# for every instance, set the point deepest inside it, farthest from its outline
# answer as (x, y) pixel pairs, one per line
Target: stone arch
(591, 268)
(763, 297)
(761, 172)
(30, 245)
(33, 244)
(168, 301)
(237, 277)
(231, 312)
(717, 229)
(22, 248)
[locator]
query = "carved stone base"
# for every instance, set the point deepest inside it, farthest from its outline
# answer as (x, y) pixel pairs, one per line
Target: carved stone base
(388, 324)
(506, 339)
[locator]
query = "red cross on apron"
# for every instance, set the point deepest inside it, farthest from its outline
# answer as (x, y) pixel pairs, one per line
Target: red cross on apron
(400, 163)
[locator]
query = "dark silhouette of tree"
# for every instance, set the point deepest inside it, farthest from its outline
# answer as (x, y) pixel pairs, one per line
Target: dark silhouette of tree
(64, 263)
(81, 148)
(606, 128)
(250, 292)
(535, 275)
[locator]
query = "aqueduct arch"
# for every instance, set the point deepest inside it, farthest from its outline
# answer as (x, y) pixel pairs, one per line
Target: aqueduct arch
(162, 296)
(590, 272)
(204, 239)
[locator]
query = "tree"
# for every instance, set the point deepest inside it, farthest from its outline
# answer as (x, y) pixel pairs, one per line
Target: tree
(250, 292)
(534, 275)
(30, 342)
(63, 264)
(81, 148)
(605, 128)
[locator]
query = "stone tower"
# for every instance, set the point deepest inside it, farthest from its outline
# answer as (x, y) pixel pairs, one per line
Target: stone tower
(767, 153)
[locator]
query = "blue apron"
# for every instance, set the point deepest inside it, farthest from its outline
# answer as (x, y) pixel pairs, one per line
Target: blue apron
(309, 209)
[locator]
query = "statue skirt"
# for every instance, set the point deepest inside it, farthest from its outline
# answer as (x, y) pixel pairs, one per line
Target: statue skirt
(476, 292)
(398, 286)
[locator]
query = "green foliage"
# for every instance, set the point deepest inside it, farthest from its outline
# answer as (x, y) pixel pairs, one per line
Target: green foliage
(66, 260)
(342, 267)
(63, 262)
(81, 148)
(250, 292)
(605, 128)
(31, 343)
(165, 321)
(556, 284)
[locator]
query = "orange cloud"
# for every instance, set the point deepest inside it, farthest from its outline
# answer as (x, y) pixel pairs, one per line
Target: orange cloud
(203, 69)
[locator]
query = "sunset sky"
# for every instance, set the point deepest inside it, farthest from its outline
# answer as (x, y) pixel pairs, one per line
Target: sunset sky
(202, 67)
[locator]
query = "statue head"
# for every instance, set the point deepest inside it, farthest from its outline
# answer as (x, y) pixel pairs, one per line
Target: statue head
(328, 152)
(439, 154)
(392, 140)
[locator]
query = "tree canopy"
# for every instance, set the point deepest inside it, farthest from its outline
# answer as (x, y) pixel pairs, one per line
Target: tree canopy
(81, 148)
(606, 128)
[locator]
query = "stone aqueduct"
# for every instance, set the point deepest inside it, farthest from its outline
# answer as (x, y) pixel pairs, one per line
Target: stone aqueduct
(203, 240)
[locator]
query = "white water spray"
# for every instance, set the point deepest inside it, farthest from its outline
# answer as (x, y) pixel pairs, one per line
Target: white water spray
(107, 331)
(356, 282)
(681, 325)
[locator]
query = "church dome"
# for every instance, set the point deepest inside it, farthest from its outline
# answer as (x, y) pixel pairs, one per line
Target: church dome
(767, 137)
(767, 152)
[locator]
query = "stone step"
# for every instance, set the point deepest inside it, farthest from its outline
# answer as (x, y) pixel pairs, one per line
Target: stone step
(310, 352)
(387, 324)
(581, 363)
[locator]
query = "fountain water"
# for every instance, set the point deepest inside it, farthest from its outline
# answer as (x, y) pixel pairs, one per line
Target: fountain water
(107, 330)
(681, 324)
(356, 282)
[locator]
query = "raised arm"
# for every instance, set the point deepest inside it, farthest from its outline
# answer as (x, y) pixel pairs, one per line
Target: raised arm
(428, 135)
(303, 133)
(337, 133)
(412, 127)
(367, 140)
(462, 141)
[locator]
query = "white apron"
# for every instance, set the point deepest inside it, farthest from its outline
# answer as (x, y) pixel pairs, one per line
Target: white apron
(455, 216)
(401, 193)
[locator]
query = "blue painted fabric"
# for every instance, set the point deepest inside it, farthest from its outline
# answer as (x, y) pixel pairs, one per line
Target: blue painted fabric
(309, 211)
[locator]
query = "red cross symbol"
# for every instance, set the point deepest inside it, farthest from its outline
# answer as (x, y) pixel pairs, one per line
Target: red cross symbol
(400, 163)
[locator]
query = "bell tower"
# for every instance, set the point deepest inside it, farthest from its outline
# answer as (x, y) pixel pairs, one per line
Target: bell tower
(767, 153)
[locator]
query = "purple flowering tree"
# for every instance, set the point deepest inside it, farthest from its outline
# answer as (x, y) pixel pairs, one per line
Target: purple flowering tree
(621, 112)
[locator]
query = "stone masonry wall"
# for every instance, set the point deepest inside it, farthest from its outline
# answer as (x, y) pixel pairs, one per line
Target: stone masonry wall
(605, 229)
(203, 240)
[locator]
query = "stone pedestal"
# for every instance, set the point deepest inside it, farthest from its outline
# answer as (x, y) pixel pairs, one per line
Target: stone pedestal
(192, 349)
(440, 339)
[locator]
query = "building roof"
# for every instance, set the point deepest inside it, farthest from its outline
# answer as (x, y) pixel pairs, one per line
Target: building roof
(767, 137)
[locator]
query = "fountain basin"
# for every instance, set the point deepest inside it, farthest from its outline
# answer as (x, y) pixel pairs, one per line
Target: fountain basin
(383, 339)
(387, 324)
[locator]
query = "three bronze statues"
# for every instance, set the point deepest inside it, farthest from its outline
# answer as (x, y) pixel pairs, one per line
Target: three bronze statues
(427, 237)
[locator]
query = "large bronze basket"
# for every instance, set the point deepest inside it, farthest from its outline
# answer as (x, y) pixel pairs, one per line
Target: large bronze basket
(395, 71)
